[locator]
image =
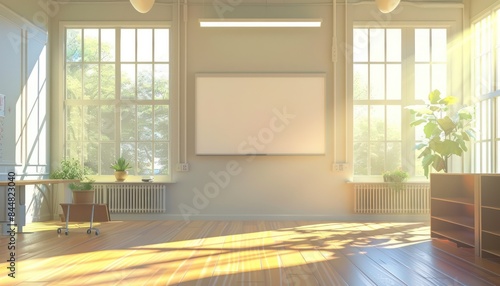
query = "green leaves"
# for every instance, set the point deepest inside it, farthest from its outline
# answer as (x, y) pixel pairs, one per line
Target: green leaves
(447, 130)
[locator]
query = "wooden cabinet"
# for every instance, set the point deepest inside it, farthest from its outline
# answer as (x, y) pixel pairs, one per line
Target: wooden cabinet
(453, 208)
(465, 209)
(490, 216)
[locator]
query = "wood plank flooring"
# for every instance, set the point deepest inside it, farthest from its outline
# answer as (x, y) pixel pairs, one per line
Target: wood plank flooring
(240, 253)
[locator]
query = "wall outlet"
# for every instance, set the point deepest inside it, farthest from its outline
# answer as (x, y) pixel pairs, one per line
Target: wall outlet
(183, 167)
(340, 167)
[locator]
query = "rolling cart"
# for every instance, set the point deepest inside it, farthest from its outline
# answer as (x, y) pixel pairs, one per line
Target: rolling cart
(83, 213)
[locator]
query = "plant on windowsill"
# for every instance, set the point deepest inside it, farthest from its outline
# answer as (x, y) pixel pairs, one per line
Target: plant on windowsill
(71, 169)
(121, 166)
(447, 128)
(396, 178)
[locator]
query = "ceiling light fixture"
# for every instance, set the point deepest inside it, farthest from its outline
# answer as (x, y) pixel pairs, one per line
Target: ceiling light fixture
(387, 6)
(259, 23)
(142, 6)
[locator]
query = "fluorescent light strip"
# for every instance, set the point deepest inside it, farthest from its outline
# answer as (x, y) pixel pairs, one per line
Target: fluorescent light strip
(260, 23)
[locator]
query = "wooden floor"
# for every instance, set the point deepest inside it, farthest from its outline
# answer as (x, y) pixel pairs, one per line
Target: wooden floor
(239, 253)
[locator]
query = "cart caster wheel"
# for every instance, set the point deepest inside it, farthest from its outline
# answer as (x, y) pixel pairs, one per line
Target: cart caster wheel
(96, 233)
(58, 230)
(89, 231)
(66, 233)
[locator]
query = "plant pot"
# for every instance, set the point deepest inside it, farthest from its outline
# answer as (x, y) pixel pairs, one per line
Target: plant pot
(121, 175)
(83, 197)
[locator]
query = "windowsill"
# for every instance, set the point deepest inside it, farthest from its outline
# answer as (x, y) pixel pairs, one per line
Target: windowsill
(379, 179)
(107, 179)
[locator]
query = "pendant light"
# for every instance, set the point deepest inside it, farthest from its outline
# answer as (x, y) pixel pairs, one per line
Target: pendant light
(387, 6)
(142, 6)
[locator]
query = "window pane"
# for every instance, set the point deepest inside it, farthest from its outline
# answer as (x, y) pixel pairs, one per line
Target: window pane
(161, 161)
(145, 122)
(439, 77)
(360, 43)
(74, 81)
(422, 81)
(106, 160)
(145, 158)
(129, 152)
(377, 123)
(74, 123)
(361, 158)
(439, 41)
(422, 45)
(360, 81)
(90, 81)
(73, 45)
(393, 152)
(161, 45)
(144, 45)
(394, 122)
(377, 158)
(108, 45)
(128, 81)
(91, 157)
(377, 45)
(144, 81)
(74, 149)
(108, 125)
(108, 81)
(91, 120)
(161, 122)
(394, 45)
(377, 81)
(360, 118)
(161, 81)
(393, 81)
(127, 45)
(128, 123)
(91, 45)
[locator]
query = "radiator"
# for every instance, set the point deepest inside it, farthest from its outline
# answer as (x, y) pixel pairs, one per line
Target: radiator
(386, 198)
(131, 198)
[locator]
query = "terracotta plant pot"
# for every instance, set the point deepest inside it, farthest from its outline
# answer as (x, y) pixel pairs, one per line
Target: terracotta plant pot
(83, 197)
(121, 175)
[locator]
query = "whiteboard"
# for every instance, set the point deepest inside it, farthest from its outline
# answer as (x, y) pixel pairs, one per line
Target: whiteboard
(260, 114)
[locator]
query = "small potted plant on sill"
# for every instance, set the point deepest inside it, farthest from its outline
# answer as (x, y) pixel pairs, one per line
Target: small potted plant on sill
(121, 166)
(71, 169)
(396, 178)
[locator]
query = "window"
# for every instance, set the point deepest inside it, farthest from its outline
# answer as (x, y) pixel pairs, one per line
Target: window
(388, 74)
(117, 98)
(486, 89)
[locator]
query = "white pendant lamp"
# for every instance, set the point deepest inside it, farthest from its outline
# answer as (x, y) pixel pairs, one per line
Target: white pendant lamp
(142, 6)
(387, 6)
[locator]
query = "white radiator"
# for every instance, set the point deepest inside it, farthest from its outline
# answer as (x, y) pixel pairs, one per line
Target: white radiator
(131, 198)
(385, 198)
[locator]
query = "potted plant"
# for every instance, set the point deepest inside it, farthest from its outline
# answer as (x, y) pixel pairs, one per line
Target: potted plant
(71, 169)
(447, 129)
(121, 166)
(396, 178)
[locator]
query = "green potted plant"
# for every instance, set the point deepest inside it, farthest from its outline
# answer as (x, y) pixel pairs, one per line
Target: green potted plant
(72, 169)
(121, 166)
(447, 128)
(397, 176)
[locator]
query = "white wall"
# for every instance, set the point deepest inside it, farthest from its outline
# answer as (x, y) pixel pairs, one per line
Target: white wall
(23, 80)
(235, 187)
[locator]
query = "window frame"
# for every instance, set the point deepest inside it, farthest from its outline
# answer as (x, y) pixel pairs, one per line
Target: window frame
(487, 102)
(117, 101)
(408, 87)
